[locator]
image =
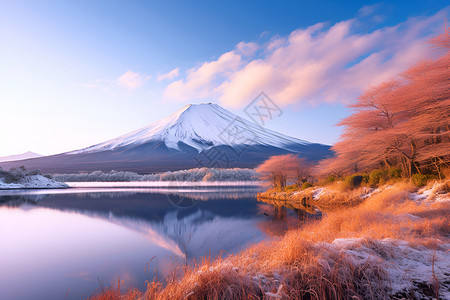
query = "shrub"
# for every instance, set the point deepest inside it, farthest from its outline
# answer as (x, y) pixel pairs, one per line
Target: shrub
(291, 188)
(378, 177)
(356, 179)
(422, 179)
(14, 175)
(306, 185)
(331, 178)
(35, 172)
(395, 173)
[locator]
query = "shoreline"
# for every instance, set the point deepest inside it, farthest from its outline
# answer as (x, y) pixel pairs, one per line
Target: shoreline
(138, 184)
(319, 197)
(158, 184)
(394, 243)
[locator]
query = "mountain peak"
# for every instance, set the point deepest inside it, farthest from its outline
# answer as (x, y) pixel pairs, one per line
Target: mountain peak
(198, 106)
(193, 108)
(200, 126)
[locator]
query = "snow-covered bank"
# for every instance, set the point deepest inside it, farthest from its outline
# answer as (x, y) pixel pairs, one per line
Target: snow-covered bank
(167, 184)
(379, 269)
(411, 269)
(332, 197)
(194, 175)
(33, 182)
(435, 192)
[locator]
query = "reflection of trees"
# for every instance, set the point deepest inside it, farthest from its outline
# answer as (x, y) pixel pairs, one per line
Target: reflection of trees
(279, 212)
(18, 197)
(295, 205)
(277, 220)
(200, 194)
(283, 216)
(18, 200)
(207, 195)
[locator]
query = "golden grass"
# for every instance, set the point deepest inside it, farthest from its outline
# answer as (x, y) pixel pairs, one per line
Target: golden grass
(302, 265)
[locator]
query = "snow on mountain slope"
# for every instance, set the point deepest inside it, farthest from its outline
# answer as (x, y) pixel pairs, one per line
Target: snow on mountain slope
(201, 126)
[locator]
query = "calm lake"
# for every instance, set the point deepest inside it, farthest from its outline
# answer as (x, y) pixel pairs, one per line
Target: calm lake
(65, 244)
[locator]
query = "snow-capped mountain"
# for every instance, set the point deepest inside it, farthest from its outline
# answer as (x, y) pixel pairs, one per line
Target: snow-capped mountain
(200, 126)
(202, 135)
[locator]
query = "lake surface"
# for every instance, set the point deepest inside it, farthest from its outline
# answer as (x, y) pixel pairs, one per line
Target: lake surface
(61, 244)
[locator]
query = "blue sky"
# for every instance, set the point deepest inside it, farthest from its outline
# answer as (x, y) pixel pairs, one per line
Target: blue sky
(75, 73)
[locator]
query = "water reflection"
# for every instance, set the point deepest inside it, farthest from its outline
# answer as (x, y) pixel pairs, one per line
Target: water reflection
(65, 241)
(282, 215)
(15, 200)
(55, 241)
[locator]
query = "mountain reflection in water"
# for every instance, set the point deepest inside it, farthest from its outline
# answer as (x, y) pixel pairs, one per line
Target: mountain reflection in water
(60, 240)
(66, 241)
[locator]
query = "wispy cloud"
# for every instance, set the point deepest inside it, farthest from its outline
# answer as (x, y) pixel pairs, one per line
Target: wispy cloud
(171, 75)
(369, 9)
(246, 49)
(311, 65)
(131, 80)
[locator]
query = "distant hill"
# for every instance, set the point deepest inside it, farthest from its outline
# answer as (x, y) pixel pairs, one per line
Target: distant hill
(25, 155)
(202, 135)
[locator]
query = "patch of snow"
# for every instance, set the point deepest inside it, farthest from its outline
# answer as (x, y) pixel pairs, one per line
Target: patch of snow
(432, 193)
(317, 193)
(417, 197)
(408, 267)
(33, 182)
(273, 296)
(368, 192)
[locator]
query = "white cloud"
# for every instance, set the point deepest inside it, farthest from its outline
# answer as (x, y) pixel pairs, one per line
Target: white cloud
(369, 9)
(131, 80)
(171, 75)
(201, 80)
(246, 49)
(311, 65)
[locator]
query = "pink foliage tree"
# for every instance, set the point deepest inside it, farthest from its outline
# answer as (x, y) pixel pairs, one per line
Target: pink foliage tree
(404, 122)
(278, 170)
